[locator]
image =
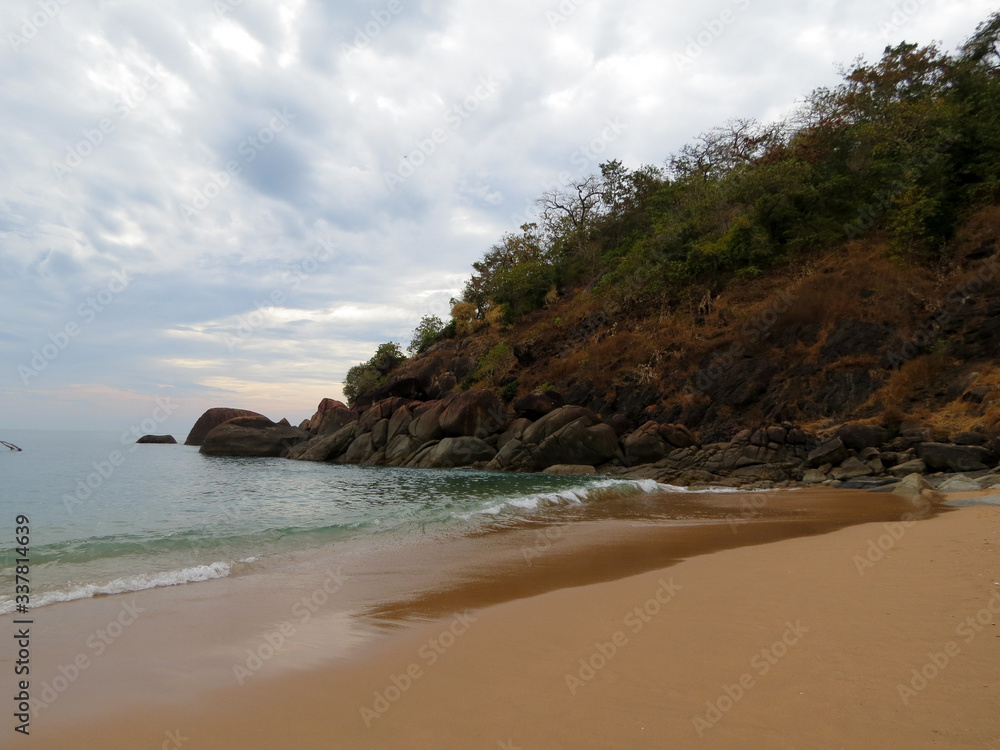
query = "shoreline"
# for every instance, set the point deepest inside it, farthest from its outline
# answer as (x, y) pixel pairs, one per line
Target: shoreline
(486, 587)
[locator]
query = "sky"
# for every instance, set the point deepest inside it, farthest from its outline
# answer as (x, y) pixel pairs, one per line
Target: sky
(231, 202)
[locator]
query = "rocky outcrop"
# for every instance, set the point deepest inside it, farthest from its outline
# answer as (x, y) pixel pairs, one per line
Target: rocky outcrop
(157, 440)
(256, 437)
(475, 429)
(212, 419)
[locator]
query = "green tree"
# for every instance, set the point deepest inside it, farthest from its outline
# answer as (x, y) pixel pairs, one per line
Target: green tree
(427, 332)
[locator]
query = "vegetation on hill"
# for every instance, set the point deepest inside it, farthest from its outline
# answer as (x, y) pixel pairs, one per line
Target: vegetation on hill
(750, 254)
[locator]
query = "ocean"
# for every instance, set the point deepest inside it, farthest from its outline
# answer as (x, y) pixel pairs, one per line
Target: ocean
(107, 516)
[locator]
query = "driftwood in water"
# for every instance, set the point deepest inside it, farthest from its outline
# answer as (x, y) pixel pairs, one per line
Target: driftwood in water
(10, 445)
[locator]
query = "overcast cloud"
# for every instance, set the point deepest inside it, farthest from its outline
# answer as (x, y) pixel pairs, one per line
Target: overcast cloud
(229, 203)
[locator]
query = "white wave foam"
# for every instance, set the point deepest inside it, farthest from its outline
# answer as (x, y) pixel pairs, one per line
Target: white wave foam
(126, 585)
(573, 496)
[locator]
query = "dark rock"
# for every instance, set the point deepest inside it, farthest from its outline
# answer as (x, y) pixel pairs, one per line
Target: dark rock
(401, 448)
(537, 404)
(621, 424)
(378, 411)
(453, 452)
(426, 424)
(380, 434)
(860, 436)
(830, 452)
(256, 437)
(908, 467)
(578, 444)
(555, 421)
(331, 417)
(853, 338)
(212, 419)
(851, 469)
(970, 438)
(284, 421)
(645, 445)
(473, 414)
(325, 448)
(157, 440)
(514, 432)
(958, 458)
(359, 450)
(400, 422)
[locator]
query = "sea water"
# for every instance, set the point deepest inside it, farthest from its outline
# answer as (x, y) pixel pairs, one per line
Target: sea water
(108, 516)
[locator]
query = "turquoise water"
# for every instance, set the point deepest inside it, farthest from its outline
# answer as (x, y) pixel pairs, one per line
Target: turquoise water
(108, 516)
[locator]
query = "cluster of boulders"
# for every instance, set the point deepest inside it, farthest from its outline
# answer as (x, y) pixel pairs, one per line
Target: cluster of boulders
(542, 433)
(858, 456)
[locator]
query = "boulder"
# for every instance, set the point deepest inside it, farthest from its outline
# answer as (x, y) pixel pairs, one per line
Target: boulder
(813, 476)
(332, 419)
(157, 440)
(537, 404)
(909, 467)
(380, 434)
(946, 457)
(212, 419)
(426, 424)
(830, 452)
(556, 420)
(383, 409)
(399, 424)
(401, 448)
(256, 437)
(453, 452)
(570, 470)
(514, 432)
(359, 451)
(860, 436)
(325, 447)
(645, 445)
(578, 444)
(915, 487)
(850, 469)
(473, 414)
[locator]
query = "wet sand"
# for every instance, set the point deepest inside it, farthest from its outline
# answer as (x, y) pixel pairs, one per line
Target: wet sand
(775, 639)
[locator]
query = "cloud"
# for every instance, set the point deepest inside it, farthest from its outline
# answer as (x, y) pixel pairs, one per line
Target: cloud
(333, 168)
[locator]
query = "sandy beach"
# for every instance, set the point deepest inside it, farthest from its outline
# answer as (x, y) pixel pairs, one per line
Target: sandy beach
(875, 635)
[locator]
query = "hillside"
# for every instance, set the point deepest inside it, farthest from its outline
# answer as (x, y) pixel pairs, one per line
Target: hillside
(838, 267)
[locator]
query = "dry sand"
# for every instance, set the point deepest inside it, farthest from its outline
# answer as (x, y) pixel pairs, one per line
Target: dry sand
(809, 642)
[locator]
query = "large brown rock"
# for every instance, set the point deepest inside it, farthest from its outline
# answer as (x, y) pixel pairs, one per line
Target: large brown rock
(331, 417)
(556, 420)
(212, 419)
(537, 404)
(860, 436)
(577, 444)
(326, 447)
(426, 424)
(452, 452)
(830, 452)
(473, 414)
(252, 437)
(383, 409)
